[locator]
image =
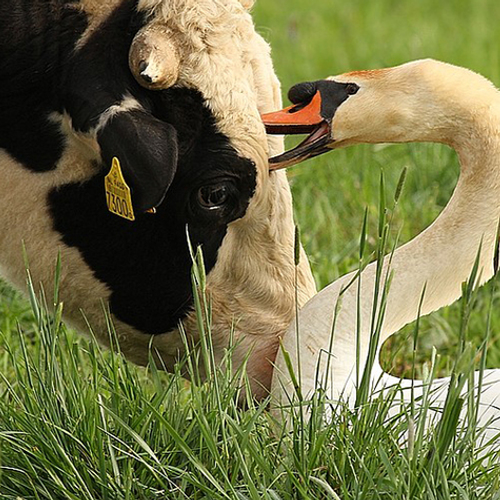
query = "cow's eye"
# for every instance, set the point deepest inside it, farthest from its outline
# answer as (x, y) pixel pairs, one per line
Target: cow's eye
(214, 196)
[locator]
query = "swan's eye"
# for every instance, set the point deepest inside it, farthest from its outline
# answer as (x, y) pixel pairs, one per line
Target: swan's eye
(213, 196)
(351, 88)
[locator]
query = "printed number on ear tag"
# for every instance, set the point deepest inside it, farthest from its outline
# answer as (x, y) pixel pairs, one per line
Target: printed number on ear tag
(118, 197)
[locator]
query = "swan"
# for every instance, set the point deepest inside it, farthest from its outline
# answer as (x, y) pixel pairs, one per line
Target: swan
(420, 101)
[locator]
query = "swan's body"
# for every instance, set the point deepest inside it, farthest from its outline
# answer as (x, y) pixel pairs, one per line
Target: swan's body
(423, 101)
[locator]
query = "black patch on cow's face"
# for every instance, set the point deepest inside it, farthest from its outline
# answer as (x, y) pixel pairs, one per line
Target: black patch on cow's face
(99, 77)
(98, 74)
(36, 38)
(146, 263)
(41, 73)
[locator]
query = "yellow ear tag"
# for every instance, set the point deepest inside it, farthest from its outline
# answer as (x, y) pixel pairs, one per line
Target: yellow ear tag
(118, 196)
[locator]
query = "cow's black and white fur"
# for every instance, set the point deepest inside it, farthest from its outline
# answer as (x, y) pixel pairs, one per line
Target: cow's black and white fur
(196, 151)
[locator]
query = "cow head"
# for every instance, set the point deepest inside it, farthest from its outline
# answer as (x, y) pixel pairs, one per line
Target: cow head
(174, 89)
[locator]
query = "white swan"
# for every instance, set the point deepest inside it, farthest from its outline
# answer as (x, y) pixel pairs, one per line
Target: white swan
(422, 101)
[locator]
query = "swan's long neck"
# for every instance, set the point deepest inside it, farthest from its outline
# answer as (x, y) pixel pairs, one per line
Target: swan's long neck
(439, 260)
(432, 267)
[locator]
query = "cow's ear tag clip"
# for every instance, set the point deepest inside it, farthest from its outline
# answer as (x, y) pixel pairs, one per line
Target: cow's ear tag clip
(118, 195)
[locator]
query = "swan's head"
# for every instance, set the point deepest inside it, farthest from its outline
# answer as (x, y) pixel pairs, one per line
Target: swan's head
(416, 102)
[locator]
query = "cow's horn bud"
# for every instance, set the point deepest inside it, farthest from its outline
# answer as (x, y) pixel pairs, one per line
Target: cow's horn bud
(248, 4)
(153, 58)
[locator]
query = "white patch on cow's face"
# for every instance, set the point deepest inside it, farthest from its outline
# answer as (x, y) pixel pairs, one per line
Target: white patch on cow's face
(252, 284)
(229, 63)
(128, 103)
(28, 223)
(82, 145)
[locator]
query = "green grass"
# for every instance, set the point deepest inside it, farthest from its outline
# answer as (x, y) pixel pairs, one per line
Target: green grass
(80, 423)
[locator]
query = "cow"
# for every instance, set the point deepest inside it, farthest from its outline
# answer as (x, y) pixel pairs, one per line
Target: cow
(172, 91)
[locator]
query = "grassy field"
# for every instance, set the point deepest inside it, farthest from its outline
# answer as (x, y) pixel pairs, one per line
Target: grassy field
(77, 423)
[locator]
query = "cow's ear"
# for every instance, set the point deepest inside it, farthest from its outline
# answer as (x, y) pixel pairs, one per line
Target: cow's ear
(248, 4)
(147, 150)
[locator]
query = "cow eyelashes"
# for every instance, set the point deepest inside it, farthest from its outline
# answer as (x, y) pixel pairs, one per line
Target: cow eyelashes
(217, 196)
(218, 201)
(213, 196)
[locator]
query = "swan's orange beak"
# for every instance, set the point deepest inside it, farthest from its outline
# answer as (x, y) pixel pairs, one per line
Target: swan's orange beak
(296, 119)
(299, 119)
(314, 106)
